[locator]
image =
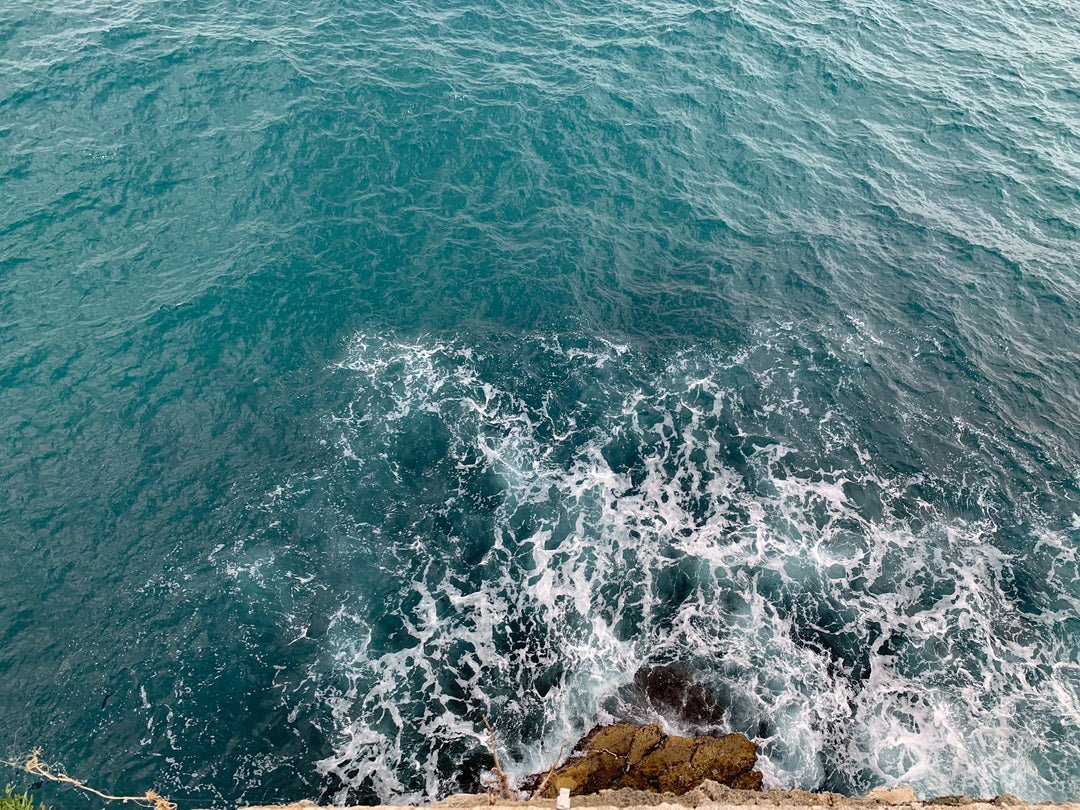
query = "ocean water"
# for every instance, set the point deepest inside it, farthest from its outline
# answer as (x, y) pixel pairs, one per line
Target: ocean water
(370, 367)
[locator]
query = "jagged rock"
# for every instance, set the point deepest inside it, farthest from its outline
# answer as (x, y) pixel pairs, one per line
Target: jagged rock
(1007, 800)
(901, 794)
(644, 758)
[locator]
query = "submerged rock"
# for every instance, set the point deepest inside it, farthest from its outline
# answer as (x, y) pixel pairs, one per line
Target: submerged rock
(672, 692)
(644, 758)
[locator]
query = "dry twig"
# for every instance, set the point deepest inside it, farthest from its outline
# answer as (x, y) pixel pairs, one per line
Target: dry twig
(547, 777)
(35, 766)
(504, 782)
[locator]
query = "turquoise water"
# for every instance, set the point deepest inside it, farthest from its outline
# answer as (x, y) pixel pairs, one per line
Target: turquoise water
(367, 368)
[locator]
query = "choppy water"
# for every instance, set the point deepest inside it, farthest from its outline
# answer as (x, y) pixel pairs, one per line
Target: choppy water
(370, 367)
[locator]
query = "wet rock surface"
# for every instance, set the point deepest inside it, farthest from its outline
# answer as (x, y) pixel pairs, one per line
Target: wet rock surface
(644, 758)
(672, 692)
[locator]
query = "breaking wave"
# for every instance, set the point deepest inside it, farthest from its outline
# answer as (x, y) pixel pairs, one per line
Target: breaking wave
(519, 531)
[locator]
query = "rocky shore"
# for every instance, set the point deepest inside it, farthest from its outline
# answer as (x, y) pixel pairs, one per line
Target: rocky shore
(643, 758)
(712, 796)
(629, 766)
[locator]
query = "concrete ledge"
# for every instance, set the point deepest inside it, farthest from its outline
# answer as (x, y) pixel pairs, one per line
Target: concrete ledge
(635, 800)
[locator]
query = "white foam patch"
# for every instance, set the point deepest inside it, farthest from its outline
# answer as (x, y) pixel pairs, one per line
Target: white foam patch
(533, 551)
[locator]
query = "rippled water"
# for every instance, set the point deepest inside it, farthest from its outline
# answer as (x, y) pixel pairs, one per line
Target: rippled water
(369, 368)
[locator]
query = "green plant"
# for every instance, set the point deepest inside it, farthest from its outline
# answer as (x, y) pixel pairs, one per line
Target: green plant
(10, 800)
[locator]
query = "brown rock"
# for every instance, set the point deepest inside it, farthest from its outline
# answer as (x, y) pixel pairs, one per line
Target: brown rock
(678, 779)
(670, 752)
(723, 759)
(1007, 800)
(644, 758)
(589, 774)
(645, 740)
(617, 738)
(901, 794)
(749, 780)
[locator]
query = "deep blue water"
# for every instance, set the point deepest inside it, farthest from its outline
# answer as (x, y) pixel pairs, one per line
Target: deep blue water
(369, 367)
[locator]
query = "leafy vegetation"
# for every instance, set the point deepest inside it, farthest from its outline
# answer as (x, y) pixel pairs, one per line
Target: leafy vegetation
(10, 800)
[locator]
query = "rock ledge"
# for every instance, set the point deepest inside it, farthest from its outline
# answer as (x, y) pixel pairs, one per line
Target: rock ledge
(643, 758)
